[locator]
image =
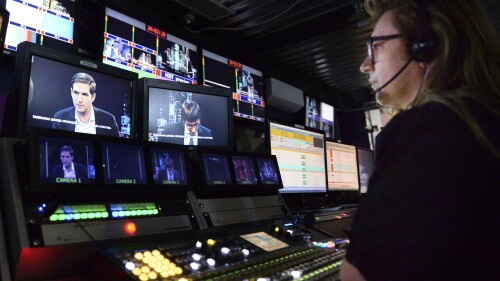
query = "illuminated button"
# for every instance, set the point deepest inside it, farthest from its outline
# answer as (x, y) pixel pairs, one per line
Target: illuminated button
(276, 229)
(211, 262)
(194, 266)
(296, 274)
(137, 271)
(164, 274)
(153, 275)
(130, 265)
(210, 242)
(139, 256)
(178, 270)
(156, 253)
(196, 257)
(145, 269)
(143, 277)
(198, 243)
(225, 250)
(147, 254)
(245, 252)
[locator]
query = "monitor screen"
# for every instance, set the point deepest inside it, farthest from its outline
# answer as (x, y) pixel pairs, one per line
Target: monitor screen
(186, 114)
(66, 161)
(245, 83)
(4, 21)
(244, 170)
(123, 164)
(168, 166)
(365, 166)
(65, 92)
(342, 167)
(268, 171)
(327, 119)
(313, 119)
(319, 115)
(301, 158)
(48, 23)
(216, 169)
(149, 51)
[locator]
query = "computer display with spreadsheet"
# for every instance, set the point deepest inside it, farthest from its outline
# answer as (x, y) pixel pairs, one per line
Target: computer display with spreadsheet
(342, 167)
(301, 158)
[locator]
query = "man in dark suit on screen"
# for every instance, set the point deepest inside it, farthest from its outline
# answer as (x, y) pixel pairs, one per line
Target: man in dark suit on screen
(169, 173)
(83, 117)
(190, 131)
(68, 168)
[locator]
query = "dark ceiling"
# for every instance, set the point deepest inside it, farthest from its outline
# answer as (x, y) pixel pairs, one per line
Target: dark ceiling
(314, 45)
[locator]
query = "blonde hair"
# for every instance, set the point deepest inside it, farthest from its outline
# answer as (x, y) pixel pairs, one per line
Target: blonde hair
(466, 62)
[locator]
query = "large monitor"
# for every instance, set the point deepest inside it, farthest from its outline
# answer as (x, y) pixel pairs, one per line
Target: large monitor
(65, 92)
(245, 83)
(365, 167)
(48, 23)
(301, 158)
(4, 21)
(183, 114)
(147, 50)
(342, 167)
(320, 115)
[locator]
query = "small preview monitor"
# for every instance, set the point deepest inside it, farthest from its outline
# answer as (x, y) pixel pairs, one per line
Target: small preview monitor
(68, 93)
(216, 169)
(327, 119)
(185, 114)
(268, 171)
(123, 164)
(342, 167)
(64, 161)
(48, 23)
(169, 166)
(301, 158)
(245, 83)
(244, 170)
(313, 117)
(147, 50)
(365, 167)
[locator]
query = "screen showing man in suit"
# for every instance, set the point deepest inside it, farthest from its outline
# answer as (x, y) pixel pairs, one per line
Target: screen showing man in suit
(187, 118)
(68, 170)
(169, 167)
(88, 118)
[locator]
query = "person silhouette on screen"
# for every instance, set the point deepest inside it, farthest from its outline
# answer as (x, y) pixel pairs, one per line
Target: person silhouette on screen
(168, 172)
(68, 168)
(83, 117)
(250, 89)
(191, 130)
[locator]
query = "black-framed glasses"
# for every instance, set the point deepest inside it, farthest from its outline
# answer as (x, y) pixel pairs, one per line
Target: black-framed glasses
(192, 125)
(369, 44)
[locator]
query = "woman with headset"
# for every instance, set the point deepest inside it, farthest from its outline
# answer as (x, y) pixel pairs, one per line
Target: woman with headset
(432, 211)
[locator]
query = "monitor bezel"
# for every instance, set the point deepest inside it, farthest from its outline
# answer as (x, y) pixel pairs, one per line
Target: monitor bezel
(143, 89)
(296, 126)
(23, 71)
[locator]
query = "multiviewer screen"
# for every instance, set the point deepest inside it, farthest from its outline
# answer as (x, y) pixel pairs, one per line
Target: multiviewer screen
(301, 158)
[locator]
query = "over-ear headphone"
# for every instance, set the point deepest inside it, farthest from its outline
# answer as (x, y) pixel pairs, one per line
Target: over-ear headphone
(424, 43)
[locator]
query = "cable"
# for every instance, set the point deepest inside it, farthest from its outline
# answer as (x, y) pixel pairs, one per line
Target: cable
(245, 27)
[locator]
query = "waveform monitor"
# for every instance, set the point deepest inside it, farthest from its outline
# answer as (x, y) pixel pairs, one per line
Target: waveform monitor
(301, 158)
(342, 167)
